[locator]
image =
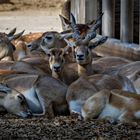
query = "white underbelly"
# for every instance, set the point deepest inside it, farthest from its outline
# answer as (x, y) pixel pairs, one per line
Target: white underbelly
(33, 101)
(110, 111)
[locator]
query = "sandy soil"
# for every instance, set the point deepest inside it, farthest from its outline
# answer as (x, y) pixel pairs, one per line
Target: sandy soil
(33, 17)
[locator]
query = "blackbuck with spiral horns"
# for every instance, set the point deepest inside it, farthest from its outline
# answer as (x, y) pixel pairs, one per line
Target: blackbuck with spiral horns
(82, 48)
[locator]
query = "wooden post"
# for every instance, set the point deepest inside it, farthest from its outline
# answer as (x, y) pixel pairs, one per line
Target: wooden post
(78, 10)
(91, 10)
(84, 10)
(126, 32)
(108, 20)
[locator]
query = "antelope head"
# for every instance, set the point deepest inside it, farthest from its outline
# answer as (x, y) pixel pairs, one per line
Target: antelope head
(83, 28)
(52, 40)
(82, 51)
(6, 46)
(56, 59)
(13, 101)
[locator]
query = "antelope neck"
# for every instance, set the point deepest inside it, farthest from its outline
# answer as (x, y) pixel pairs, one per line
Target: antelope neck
(85, 70)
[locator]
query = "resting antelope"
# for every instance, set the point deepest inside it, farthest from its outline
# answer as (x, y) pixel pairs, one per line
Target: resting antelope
(54, 39)
(84, 87)
(83, 28)
(62, 70)
(116, 105)
(83, 52)
(13, 101)
(132, 72)
(6, 46)
(43, 94)
(69, 72)
(21, 66)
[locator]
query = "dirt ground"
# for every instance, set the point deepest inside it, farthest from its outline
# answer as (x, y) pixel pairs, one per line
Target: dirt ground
(42, 15)
(64, 128)
(31, 15)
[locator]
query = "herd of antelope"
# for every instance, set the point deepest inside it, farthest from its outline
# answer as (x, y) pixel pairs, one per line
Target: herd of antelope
(60, 74)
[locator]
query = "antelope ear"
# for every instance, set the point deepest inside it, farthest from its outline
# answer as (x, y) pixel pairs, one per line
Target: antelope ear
(65, 23)
(16, 36)
(20, 97)
(11, 33)
(99, 42)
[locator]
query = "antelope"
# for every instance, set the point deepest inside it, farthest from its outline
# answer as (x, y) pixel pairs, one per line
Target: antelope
(21, 51)
(43, 94)
(86, 86)
(61, 69)
(115, 105)
(132, 72)
(53, 39)
(21, 66)
(6, 46)
(83, 52)
(109, 64)
(13, 101)
(83, 28)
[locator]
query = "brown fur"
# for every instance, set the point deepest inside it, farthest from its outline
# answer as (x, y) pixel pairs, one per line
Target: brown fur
(126, 103)
(49, 89)
(78, 92)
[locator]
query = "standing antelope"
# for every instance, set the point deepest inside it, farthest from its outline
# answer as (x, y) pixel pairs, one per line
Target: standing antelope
(116, 105)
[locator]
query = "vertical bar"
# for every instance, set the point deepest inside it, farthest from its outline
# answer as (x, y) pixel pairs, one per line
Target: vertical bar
(73, 8)
(82, 11)
(91, 10)
(78, 9)
(108, 20)
(126, 32)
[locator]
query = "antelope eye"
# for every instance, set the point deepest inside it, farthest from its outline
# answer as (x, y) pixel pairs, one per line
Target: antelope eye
(29, 46)
(48, 37)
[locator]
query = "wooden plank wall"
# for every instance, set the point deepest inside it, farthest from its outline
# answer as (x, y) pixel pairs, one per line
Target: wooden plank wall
(84, 10)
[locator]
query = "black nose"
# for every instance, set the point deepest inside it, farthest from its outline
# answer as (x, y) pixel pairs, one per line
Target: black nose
(80, 56)
(56, 68)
